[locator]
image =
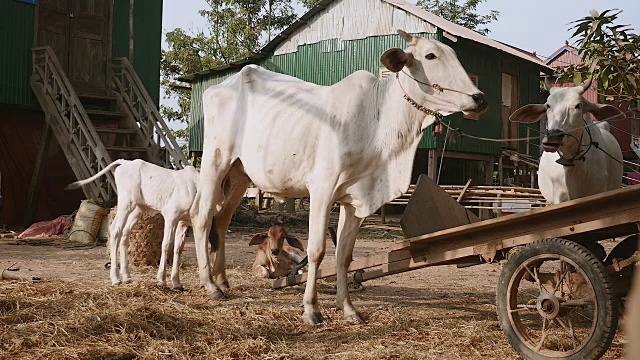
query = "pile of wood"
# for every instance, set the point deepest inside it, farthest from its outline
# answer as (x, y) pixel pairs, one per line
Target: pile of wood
(486, 197)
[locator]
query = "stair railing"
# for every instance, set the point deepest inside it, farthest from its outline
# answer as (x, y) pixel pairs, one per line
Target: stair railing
(70, 123)
(134, 95)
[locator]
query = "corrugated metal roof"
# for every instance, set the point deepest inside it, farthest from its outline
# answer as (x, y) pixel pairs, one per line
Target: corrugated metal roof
(460, 31)
(444, 25)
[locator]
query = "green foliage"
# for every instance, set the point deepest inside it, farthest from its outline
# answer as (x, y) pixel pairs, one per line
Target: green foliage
(609, 52)
(235, 29)
(465, 14)
(310, 3)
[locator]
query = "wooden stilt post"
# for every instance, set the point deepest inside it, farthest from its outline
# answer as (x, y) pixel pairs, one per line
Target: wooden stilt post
(32, 200)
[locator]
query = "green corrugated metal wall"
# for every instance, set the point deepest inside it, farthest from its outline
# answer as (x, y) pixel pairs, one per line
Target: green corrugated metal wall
(16, 40)
(147, 40)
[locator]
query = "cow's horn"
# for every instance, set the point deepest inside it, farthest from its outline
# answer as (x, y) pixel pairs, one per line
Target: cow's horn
(587, 84)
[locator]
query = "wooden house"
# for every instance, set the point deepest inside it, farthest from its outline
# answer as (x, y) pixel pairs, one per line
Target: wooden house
(79, 87)
(338, 37)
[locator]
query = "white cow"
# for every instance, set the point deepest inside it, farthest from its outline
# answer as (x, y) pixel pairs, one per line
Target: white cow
(580, 158)
(144, 187)
(352, 142)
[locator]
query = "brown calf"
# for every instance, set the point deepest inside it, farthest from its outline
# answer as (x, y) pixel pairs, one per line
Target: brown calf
(274, 259)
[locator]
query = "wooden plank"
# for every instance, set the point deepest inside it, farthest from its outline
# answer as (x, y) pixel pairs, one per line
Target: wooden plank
(32, 199)
(431, 209)
(464, 190)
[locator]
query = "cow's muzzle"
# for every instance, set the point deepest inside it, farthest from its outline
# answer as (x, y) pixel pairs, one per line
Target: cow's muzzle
(481, 102)
(275, 251)
(553, 140)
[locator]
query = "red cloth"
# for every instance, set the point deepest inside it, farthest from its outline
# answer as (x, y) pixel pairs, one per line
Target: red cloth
(50, 228)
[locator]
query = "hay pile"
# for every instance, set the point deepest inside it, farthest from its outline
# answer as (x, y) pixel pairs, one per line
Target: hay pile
(61, 320)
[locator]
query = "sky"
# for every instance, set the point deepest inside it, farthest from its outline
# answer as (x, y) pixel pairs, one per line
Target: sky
(533, 25)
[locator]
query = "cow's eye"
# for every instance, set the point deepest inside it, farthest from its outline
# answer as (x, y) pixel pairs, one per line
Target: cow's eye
(579, 105)
(430, 56)
(548, 106)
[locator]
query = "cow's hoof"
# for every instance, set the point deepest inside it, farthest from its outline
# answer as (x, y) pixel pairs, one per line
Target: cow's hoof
(313, 319)
(356, 318)
(217, 295)
(178, 288)
(224, 285)
(161, 283)
(115, 282)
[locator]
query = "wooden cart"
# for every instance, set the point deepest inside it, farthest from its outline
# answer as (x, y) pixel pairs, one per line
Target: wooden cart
(559, 293)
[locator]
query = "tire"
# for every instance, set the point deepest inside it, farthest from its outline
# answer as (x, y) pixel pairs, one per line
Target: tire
(555, 300)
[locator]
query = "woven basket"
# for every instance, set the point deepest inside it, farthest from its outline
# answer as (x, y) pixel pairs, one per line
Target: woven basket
(145, 240)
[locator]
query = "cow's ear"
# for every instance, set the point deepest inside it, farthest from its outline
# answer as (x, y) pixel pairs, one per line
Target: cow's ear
(258, 238)
(395, 59)
(295, 243)
(603, 111)
(529, 113)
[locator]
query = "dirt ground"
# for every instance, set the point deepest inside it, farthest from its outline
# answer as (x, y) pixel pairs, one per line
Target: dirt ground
(440, 312)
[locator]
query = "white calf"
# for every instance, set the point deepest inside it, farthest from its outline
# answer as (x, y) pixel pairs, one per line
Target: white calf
(144, 187)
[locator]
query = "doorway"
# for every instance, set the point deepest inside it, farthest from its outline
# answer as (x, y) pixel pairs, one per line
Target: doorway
(79, 31)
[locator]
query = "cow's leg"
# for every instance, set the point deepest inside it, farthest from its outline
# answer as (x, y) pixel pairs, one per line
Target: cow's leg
(208, 197)
(168, 239)
(348, 226)
(235, 186)
(178, 246)
(115, 235)
(124, 244)
(318, 221)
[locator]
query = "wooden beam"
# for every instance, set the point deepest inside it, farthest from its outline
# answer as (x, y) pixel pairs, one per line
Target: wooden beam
(464, 190)
(131, 8)
(32, 199)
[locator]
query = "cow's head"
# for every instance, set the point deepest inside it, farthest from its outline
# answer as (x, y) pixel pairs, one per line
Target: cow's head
(271, 241)
(433, 63)
(566, 110)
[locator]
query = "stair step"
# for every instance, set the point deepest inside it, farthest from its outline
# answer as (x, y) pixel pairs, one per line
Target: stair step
(117, 131)
(98, 97)
(126, 148)
(105, 114)
(99, 102)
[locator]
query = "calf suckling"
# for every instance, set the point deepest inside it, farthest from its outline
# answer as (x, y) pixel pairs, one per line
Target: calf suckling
(274, 259)
(580, 157)
(144, 187)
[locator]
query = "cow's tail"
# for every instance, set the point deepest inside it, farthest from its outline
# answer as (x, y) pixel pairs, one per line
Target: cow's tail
(109, 167)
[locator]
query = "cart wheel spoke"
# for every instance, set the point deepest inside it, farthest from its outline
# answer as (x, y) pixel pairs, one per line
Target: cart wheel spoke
(545, 329)
(522, 307)
(569, 328)
(559, 284)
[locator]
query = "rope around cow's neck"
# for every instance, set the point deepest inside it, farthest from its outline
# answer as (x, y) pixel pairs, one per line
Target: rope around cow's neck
(415, 104)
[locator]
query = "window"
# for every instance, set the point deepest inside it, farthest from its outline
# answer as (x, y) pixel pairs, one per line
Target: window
(474, 80)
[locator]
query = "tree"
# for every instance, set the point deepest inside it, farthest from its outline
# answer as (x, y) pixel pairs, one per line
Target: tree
(609, 52)
(310, 3)
(235, 29)
(462, 14)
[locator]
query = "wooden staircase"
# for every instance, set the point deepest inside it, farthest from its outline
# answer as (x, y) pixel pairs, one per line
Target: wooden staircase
(94, 130)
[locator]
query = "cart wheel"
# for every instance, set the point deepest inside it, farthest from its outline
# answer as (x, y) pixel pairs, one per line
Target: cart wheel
(555, 300)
